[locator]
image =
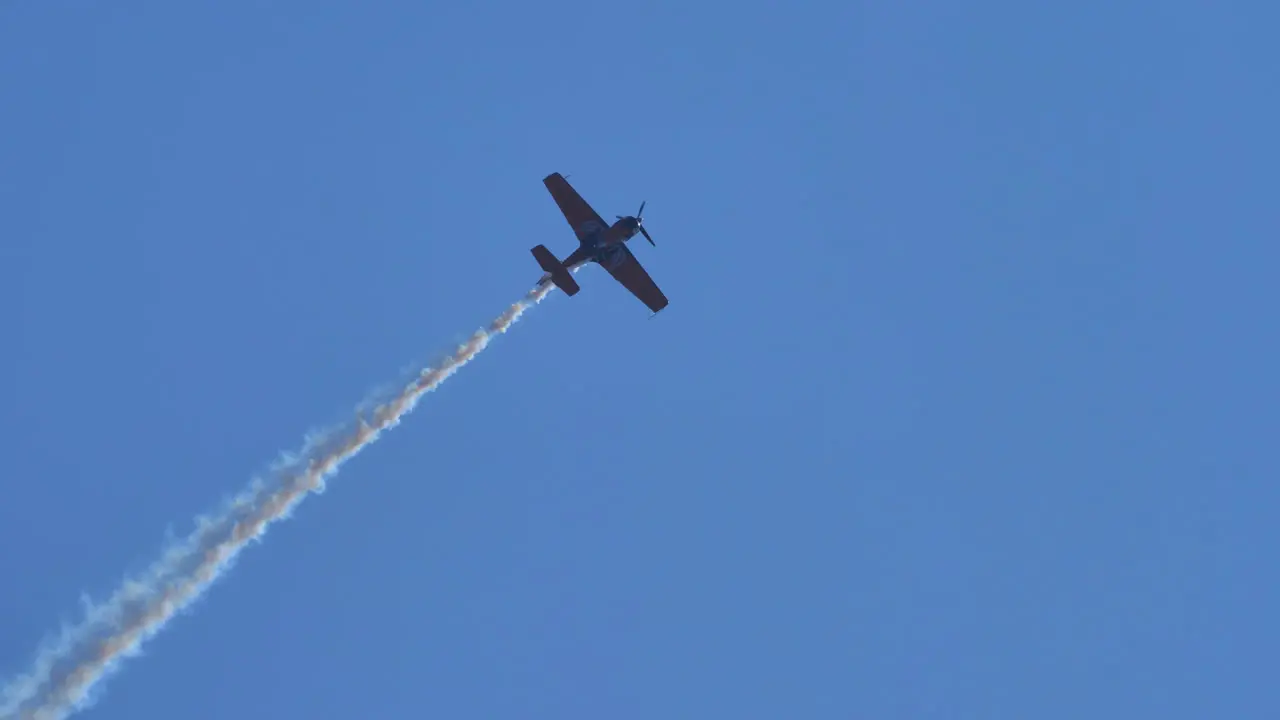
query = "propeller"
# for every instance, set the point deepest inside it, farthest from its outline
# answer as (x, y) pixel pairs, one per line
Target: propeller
(640, 224)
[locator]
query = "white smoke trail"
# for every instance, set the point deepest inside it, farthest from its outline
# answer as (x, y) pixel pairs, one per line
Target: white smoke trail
(67, 671)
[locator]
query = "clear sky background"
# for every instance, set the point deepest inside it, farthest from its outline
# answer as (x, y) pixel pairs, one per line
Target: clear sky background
(964, 405)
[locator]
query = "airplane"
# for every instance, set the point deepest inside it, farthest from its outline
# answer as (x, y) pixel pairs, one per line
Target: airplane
(599, 243)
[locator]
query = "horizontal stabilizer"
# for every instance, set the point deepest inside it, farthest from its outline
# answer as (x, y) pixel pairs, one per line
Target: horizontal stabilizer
(559, 274)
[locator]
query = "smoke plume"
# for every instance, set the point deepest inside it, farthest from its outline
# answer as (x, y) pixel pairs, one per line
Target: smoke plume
(67, 671)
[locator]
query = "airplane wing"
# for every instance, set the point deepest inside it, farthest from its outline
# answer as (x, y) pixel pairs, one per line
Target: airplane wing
(582, 218)
(626, 269)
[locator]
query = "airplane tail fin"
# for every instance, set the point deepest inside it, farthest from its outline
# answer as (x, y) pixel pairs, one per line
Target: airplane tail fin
(559, 274)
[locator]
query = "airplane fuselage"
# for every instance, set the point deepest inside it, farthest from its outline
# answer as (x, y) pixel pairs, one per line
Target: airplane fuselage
(599, 244)
(620, 232)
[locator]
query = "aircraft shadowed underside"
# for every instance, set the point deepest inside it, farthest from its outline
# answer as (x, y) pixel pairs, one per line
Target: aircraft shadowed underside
(598, 243)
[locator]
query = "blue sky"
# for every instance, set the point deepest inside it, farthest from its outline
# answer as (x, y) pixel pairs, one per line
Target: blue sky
(961, 407)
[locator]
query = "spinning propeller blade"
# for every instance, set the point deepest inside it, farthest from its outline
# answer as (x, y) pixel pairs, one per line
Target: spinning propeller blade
(640, 223)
